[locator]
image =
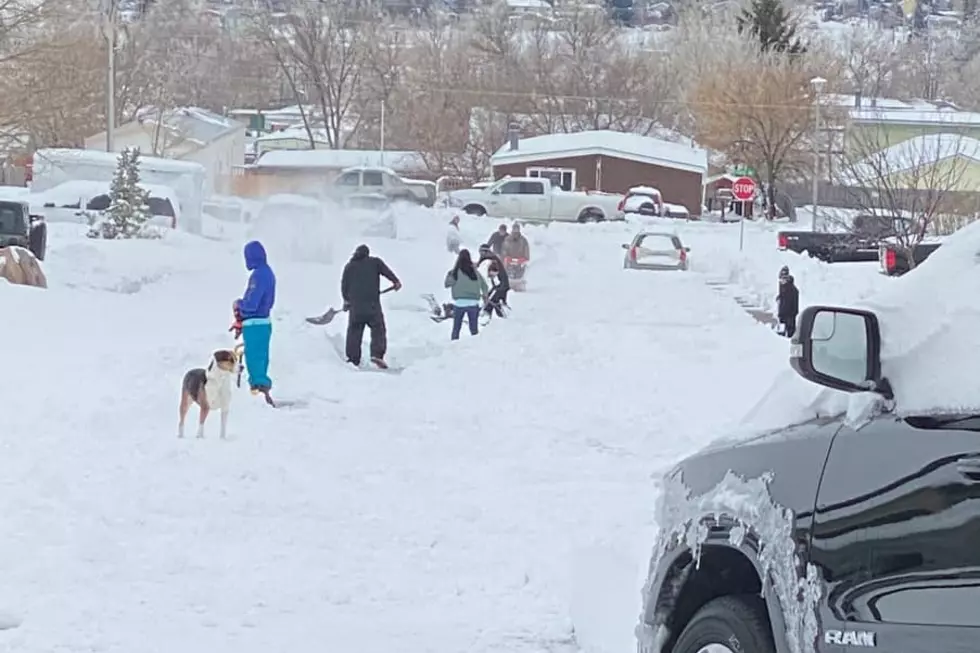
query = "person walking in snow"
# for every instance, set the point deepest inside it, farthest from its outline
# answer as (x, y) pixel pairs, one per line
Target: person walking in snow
(360, 287)
(789, 305)
(453, 239)
(253, 310)
(496, 241)
(469, 292)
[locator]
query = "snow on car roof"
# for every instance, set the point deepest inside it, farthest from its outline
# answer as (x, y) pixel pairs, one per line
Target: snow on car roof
(643, 190)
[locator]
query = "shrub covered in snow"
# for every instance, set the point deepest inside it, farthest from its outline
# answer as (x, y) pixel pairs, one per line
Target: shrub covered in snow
(129, 208)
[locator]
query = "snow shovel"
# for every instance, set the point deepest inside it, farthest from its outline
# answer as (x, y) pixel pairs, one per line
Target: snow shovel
(327, 318)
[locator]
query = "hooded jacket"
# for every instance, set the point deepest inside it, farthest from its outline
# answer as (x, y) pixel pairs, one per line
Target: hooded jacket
(516, 246)
(360, 284)
(260, 295)
(788, 300)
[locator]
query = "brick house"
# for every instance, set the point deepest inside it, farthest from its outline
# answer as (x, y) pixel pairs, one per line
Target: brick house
(608, 161)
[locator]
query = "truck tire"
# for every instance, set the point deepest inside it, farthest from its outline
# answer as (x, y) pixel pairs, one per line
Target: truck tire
(474, 209)
(728, 624)
(591, 215)
(38, 240)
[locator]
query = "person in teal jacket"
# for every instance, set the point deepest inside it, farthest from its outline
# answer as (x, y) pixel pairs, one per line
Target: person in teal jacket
(469, 291)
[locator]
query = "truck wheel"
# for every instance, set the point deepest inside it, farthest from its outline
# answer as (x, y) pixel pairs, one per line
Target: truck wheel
(728, 624)
(591, 215)
(38, 241)
(474, 209)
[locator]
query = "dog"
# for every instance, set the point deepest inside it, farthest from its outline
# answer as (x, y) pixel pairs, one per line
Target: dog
(210, 389)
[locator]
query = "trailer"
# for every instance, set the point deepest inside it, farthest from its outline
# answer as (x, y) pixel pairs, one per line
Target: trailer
(54, 166)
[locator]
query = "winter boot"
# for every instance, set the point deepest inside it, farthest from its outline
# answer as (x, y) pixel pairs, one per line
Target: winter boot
(379, 362)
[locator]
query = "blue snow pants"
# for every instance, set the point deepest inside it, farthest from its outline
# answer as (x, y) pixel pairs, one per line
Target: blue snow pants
(256, 334)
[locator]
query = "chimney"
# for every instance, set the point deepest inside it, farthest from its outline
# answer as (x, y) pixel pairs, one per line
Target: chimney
(514, 136)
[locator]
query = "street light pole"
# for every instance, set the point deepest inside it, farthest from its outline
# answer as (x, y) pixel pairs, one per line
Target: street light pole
(109, 29)
(818, 85)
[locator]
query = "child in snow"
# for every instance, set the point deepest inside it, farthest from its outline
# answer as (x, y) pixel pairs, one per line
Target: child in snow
(254, 308)
(453, 239)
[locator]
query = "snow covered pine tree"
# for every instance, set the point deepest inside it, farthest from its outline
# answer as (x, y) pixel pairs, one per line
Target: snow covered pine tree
(129, 208)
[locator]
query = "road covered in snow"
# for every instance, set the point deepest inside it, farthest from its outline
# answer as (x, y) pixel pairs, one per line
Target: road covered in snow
(460, 505)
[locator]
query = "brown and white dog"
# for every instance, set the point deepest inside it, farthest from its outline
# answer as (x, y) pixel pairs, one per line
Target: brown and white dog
(210, 389)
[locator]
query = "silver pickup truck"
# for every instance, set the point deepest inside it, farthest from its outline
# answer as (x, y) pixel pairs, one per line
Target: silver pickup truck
(535, 199)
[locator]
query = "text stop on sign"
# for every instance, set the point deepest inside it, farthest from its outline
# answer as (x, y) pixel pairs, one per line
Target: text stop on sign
(743, 189)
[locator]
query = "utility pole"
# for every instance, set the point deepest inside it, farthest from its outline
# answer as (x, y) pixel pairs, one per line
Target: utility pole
(109, 29)
(818, 85)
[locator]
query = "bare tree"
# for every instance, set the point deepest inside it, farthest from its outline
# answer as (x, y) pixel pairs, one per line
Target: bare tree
(872, 58)
(911, 183)
(758, 110)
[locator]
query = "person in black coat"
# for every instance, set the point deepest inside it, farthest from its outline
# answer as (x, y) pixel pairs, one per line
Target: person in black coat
(360, 286)
(498, 295)
(789, 304)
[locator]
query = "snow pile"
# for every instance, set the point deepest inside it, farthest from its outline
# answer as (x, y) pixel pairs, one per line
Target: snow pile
(295, 228)
(755, 269)
(929, 324)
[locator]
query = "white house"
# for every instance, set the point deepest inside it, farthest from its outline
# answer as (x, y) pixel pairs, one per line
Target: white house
(187, 134)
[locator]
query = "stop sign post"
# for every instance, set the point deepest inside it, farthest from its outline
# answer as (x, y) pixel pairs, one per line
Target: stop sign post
(743, 190)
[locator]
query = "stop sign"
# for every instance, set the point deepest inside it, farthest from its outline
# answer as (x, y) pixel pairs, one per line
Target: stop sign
(743, 189)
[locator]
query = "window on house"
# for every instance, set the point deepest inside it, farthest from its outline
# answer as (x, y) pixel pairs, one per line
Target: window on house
(563, 178)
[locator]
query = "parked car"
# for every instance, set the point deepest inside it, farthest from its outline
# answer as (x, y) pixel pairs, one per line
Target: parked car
(656, 250)
(80, 200)
(18, 227)
(859, 242)
(642, 200)
(647, 201)
(535, 199)
(840, 532)
(894, 262)
(362, 180)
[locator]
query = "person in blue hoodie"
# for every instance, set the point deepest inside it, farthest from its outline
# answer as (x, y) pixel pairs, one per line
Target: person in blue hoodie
(254, 308)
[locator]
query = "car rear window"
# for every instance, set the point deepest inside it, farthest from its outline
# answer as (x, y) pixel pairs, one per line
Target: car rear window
(657, 241)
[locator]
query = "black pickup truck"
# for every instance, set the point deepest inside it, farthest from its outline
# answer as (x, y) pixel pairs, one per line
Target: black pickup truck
(858, 244)
(895, 262)
(827, 535)
(19, 227)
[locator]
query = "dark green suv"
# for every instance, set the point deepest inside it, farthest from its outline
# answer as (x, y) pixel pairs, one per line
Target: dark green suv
(19, 227)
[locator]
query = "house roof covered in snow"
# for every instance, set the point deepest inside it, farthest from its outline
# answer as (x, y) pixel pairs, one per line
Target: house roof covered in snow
(632, 147)
(192, 123)
(65, 156)
(878, 110)
(916, 153)
(336, 159)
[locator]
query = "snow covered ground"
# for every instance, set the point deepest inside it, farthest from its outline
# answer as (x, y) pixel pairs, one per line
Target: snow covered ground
(496, 496)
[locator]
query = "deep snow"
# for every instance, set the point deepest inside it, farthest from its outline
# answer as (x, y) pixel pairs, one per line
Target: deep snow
(495, 496)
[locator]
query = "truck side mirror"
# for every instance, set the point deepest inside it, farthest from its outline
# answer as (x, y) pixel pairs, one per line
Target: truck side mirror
(625, 246)
(839, 348)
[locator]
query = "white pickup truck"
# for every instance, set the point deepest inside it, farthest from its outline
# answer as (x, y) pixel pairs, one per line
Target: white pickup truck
(535, 199)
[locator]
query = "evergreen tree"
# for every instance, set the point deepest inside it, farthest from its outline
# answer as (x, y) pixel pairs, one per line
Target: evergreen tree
(128, 202)
(769, 23)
